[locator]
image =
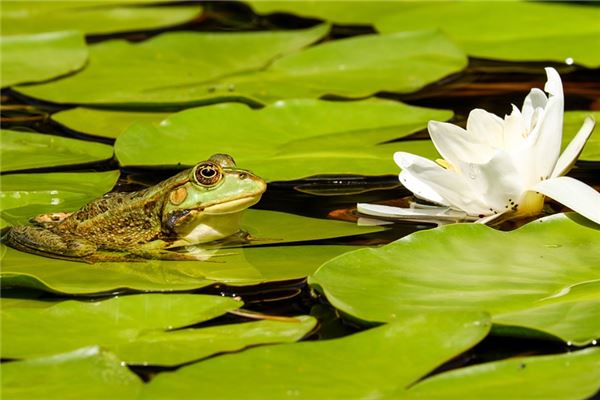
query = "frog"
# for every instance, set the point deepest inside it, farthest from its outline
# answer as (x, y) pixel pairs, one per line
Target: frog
(200, 206)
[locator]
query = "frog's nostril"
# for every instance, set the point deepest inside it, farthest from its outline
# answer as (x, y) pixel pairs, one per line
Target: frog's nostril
(243, 175)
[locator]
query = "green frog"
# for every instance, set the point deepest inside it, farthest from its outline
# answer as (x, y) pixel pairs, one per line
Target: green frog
(200, 205)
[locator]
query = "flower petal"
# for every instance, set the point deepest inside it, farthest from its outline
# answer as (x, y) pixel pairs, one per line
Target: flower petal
(428, 180)
(571, 153)
(496, 182)
(455, 144)
(515, 130)
(574, 194)
(430, 214)
(534, 100)
(486, 127)
(547, 146)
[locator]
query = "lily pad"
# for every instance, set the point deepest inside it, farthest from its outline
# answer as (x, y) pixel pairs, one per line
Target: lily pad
(104, 123)
(89, 373)
(514, 31)
(295, 119)
(238, 267)
(90, 17)
(366, 364)
(573, 375)
(35, 58)
(340, 12)
(467, 266)
(26, 195)
(185, 345)
(158, 72)
(120, 320)
(289, 139)
(572, 122)
(164, 70)
(25, 150)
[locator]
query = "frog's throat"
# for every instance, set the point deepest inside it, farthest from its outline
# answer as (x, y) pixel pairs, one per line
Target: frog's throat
(232, 206)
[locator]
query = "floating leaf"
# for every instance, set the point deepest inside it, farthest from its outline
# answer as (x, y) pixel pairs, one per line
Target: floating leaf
(573, 121)
(119, 320)
(402, 62)
(90, 17)
(287, 140)
(185, 345)
(467, 266)
(26, 195)
(104, 123)
(88, 373)
(35, 58)
(366, 364)
(515, 31)
(341, 12)
(239, 267)
(24, 150)
(169, 68)
(573, 375)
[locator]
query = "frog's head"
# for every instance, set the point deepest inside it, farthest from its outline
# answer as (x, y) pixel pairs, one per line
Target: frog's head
(209, 202)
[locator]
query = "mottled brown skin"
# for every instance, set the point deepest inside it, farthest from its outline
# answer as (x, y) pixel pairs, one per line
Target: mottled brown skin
(138, 225)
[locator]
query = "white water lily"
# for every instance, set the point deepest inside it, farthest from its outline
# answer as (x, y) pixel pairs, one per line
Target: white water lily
(499, 167)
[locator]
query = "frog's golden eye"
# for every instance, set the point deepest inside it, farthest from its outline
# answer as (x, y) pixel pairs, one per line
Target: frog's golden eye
(208, 174)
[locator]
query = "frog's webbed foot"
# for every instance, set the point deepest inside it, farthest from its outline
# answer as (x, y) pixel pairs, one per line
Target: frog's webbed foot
(37, 240)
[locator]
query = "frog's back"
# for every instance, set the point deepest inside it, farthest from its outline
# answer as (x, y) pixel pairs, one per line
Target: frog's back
(118, 220)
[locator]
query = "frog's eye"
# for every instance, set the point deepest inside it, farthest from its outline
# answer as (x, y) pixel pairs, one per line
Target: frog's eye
(207, 174)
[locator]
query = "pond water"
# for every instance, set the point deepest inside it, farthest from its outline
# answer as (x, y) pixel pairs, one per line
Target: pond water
(487, 84)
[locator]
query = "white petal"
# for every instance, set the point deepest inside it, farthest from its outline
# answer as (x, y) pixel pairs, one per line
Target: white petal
(553, 84)
(574, 194)
(486, 127)
(420, 189)
(571, 153)
(547, 145)
(515, 130)
(496, 182)
(433, 214)
(455, 144)
(534, 100)
(424, 178)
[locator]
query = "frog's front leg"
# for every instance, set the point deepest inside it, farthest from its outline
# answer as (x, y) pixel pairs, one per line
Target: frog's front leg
(38, 240)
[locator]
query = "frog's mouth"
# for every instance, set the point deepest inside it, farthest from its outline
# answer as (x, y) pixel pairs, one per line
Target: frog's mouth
(232, 206)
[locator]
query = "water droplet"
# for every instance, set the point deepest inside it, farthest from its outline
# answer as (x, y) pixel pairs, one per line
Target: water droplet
(569, 343)
(594, 342)
(569, 61)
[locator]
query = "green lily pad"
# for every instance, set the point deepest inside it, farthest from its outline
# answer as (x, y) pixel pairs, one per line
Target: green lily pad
(296, 119)
(572, 122)
(401, 62)
(467, 266)
(35, 58)
(120, 320)
(341, 12)
(514, 31)
(25, 195)
(185, 345)
(88, 373)
(104, 123)
(573, 375)
(238, 267)
(90, 17)
(290, 139)
(169, 68)
(365, 365)
(24, 150)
